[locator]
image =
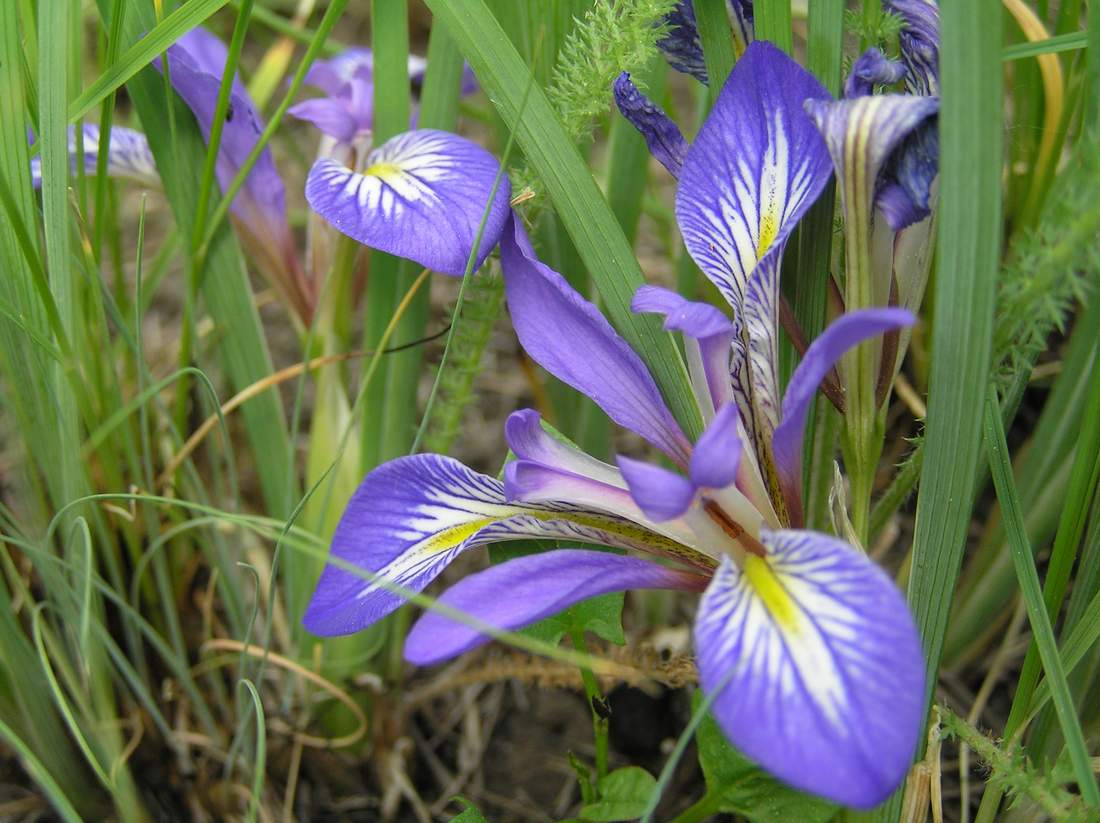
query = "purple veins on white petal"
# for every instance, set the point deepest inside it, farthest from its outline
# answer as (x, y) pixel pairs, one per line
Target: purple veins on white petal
(569, 337)
(756, 166)
(919, 42)
(662, 136)
(128, 155)
(517, 593)
(822, 666)
(421, 196)
(411, 517)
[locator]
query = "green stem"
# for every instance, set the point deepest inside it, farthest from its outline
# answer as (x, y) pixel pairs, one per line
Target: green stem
(593, 695)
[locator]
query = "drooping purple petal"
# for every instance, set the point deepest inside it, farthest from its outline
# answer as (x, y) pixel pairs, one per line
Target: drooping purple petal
(756, 166)
(822, 665)
(330, 116)
(196, 64)
(128, 155)
(662, 136)
(919, 41)
(412, 516)
(708, 335)
(567, 336)
(905, 189)
(331, 75)
(522, 591)
(847, 331)
(872, 68)
(421, 196)
(660, 493)
(716, 458)
(863, 133)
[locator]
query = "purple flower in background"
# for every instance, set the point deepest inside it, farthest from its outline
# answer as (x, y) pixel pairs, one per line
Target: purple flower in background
(682, 47)
(809, 645)
(419, 195)
(196, 65)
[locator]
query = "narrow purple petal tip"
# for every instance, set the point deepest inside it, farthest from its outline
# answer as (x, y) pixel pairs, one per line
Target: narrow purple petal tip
(660, 493)
(717, 455)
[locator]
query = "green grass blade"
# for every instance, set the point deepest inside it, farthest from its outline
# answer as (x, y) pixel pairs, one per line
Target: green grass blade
(1028, 576)
(968, 252)
(1052, 45)
(225, 288)
(579, 203)
(772, 21)
(41, 775)
(717, 40)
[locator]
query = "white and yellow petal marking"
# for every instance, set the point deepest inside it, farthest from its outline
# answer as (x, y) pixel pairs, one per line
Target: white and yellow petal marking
(128, 155)
(823, 666)
(414, 515)
(421, 196)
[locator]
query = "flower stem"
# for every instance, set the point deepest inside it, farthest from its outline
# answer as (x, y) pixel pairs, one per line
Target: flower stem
(594, 696)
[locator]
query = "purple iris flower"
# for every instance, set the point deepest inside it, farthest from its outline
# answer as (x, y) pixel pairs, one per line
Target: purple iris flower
(810, 646)
(196, 65)
(682, 47)
(420, 195)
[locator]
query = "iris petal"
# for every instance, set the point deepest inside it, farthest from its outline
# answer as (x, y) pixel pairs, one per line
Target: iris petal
(827, 684)
(128, 155)
(421, 196)
(662, 136)
(412, 516)
(569, 337)
(660, 493)
(522, 591)
(847, 331)
(919, 41)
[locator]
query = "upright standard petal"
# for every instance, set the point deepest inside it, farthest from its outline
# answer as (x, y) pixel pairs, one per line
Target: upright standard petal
(412, 516)
(753, 171)
(819, 667)
(128, 155)
(522, 591)
(755, 167)
(844, 333)
(862, 134)
(422, 196)
(662, 136)
(567, 336)
(919, 41)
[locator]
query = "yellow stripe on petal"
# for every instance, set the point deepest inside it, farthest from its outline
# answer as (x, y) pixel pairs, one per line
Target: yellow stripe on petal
(772, 592)
(388, 172)
(454, 536)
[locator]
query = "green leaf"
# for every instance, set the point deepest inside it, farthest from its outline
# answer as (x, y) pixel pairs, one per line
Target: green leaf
(742, 787)
(623, 795)
(470, 814)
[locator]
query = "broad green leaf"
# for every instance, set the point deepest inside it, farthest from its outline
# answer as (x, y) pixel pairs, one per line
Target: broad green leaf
(744, 788)
(623, 795)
